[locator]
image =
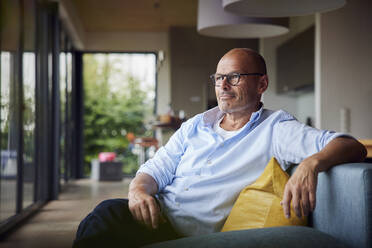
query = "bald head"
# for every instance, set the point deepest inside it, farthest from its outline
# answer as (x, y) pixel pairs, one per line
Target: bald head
(250, 60)
(245, 96)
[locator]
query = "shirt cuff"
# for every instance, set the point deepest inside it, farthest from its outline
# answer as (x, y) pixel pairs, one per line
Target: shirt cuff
(337, 135)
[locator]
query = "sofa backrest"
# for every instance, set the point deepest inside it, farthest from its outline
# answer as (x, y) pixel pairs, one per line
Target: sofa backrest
(344, 204)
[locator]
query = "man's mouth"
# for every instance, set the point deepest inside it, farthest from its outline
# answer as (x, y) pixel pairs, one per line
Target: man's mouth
(226, 96)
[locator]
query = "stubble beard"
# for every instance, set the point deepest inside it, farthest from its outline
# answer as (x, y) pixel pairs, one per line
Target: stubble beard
(224, 107)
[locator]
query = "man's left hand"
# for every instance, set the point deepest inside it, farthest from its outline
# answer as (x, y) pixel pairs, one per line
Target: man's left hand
(301, 189)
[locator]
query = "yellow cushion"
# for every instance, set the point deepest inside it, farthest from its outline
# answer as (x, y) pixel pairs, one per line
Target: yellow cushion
(258, 205)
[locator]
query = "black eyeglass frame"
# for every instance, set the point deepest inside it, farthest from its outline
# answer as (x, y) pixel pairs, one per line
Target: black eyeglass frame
(228, 77)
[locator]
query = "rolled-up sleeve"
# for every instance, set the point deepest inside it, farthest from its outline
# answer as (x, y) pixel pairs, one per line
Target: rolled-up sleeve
(294, 141)
(163, 165)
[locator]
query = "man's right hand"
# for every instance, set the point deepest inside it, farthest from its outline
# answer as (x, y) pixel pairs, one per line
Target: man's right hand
(144, 209)
(142, 204)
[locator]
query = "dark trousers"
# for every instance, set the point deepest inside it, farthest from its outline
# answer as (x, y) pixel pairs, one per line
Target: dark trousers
(111, 224)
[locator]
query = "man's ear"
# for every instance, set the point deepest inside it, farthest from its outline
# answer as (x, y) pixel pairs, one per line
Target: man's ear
(263, 84)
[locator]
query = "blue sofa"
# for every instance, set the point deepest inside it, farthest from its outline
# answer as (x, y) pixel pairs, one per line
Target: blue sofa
(342, 218)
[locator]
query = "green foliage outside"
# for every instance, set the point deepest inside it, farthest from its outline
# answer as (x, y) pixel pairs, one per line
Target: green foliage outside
(112, 108)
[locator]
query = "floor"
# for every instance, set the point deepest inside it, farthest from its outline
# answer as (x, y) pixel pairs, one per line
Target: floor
(56, 223)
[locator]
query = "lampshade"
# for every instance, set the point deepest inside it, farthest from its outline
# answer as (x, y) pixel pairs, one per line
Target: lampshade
(280, 8)
(214, 21)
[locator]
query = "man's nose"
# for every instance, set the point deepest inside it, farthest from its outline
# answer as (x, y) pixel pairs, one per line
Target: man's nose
(225, 84)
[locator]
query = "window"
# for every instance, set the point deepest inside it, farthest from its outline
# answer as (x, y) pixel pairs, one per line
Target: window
(9, 131)
(29, 103)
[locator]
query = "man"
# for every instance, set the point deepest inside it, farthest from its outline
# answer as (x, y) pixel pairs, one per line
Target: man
(191, 184)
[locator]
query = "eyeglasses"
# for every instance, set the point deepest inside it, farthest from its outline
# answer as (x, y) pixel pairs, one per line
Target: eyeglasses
(232, 78)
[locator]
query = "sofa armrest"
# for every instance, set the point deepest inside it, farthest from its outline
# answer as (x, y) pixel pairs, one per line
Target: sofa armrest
(344, 204)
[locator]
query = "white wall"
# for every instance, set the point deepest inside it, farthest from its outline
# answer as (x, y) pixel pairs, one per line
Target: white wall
(301, 106)
(305, 107)
(344, 73)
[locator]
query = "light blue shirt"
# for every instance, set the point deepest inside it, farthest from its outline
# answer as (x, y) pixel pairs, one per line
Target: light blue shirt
(200, 175)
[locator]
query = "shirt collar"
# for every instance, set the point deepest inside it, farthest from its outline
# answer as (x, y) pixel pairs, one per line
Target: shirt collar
(214, 114)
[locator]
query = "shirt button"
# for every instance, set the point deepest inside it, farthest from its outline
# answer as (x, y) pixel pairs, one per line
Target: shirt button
(178, 204)
(186, 189)
(209, 162)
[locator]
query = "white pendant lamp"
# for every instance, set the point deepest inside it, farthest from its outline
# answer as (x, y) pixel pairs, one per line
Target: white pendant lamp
(214, 21)
(280, 8)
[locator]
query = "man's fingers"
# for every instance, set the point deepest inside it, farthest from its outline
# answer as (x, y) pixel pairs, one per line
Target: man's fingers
(305, 205)
(312, 200)
(286, 203)
(154, 213)
(145, 212)
(134, 212)
(296, 203)
(137, 214)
